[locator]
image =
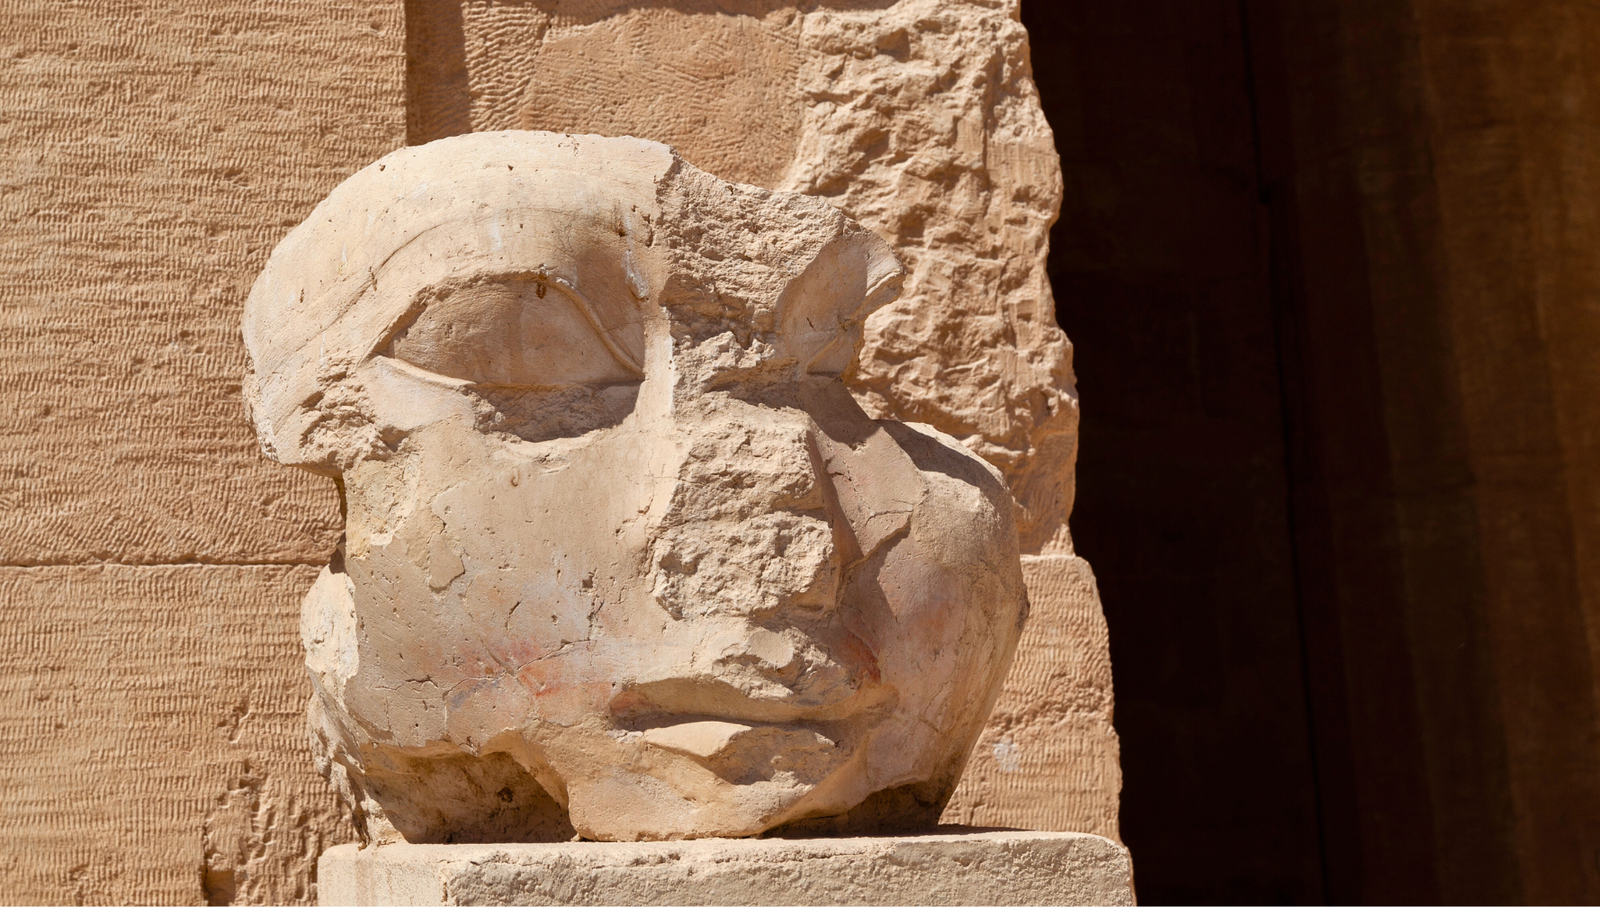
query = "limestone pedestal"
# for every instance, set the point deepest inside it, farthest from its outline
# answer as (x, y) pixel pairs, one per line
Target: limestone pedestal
(995, 867)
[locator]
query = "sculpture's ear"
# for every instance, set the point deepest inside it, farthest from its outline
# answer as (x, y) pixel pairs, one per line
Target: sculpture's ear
(821, 312)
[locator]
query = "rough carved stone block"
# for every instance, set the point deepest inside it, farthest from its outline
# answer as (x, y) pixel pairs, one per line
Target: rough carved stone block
(972, 868)
(623, 556)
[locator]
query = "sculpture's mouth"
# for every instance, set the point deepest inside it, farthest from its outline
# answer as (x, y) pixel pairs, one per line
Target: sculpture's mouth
(744, 753)
(748, 732)
(835, 696)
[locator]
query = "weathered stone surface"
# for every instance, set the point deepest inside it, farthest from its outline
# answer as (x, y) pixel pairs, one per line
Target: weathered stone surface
(1047, 748)
(974, 868)
(150, 156)
(622, 553)
(152, 741)
(152, 737)
(918, 118)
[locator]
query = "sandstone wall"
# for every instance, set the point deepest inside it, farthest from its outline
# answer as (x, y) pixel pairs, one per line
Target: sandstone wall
(151, 562)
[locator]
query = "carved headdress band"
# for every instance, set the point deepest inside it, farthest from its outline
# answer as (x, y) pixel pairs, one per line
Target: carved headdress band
(619, 224)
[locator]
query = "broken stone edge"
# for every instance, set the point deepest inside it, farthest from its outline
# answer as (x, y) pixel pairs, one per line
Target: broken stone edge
(988, 867)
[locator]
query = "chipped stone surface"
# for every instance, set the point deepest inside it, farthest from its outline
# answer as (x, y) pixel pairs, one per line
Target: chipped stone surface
(621, 550)
(152, 153)
(919, 119)
(951, 868)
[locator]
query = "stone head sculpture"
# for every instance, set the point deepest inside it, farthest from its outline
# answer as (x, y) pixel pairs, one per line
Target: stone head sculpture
(622, 554)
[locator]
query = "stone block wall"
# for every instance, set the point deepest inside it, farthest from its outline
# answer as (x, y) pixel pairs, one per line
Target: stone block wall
(152, 562)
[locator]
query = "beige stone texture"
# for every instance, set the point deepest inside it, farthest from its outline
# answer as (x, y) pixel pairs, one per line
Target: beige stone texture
(918, 118)
(971, 868)
(623, 556)
(152, 742)
(151, 154)
(1047, 749)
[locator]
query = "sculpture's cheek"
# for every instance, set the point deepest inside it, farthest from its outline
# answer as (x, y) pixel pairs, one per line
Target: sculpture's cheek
(484, 709)
(948, 603)
(930, 608)
(567, 690)
(526, 711)
(490, 563)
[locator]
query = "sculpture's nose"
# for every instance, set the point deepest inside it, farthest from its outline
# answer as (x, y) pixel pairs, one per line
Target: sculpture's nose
(750, 527)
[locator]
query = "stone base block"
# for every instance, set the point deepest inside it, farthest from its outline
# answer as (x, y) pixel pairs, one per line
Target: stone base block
(991, 867)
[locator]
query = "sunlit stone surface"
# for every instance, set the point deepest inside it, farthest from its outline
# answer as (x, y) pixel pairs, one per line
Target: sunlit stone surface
(623, 558)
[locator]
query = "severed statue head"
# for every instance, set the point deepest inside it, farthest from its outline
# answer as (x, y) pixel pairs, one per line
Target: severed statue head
(622, 555)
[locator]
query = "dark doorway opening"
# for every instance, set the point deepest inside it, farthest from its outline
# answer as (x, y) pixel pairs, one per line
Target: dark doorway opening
(1324, 480)
(1162, 275)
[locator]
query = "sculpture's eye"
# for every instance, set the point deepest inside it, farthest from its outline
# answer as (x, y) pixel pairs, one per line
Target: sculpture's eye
(512, 332)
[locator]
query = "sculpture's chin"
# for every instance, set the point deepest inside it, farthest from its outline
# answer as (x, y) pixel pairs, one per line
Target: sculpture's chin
(635, 810)
(710, 779)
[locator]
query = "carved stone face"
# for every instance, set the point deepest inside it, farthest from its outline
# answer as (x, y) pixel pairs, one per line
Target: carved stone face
(621, 550)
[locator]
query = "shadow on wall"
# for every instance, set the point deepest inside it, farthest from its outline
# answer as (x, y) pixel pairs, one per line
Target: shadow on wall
(1336, 462)
(1182, 504)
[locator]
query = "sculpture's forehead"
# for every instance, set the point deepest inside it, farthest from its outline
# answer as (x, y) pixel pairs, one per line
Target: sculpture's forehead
(469, 205)
(624, 224)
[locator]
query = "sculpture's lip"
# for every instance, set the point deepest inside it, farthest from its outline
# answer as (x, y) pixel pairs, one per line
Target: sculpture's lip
(674, 700)
(745, 753)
